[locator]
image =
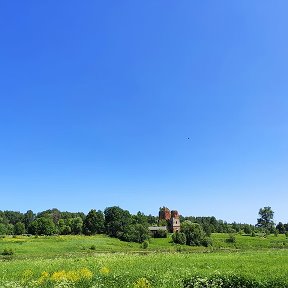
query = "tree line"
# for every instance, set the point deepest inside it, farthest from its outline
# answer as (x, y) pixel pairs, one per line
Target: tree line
(117, 222)
(113, 221)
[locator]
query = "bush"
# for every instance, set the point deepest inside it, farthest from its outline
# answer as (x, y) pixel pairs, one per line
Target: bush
(194, 233)
(161, 234)
(228, 281)
(134, 233)
(93, 247)
(145, 244)
(247, 229)
(207, 242)
(231, 238)
(179, 238)
(179, 248)
(7, 251)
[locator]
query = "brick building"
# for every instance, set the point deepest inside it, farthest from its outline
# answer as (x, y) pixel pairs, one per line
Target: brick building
(172, 218)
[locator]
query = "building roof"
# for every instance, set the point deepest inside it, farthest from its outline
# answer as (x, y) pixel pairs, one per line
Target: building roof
(157, 228)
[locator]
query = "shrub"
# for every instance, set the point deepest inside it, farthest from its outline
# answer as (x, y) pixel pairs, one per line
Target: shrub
(134, 233)
(161, 234)
(227, 281)
(145, 244)
(231, 238)
(247, 229)
(194, 233)
(207, 242)
(93, 247)
(179, 238)
(7, 251)
(179, 248)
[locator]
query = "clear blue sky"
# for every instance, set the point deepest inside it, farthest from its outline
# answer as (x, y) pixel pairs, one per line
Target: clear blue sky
(98, 100)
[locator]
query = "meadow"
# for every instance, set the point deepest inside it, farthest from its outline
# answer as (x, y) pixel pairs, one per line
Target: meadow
(100, 261)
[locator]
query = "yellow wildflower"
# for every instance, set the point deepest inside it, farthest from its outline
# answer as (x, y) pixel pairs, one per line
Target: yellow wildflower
(59, 276)
(142, 283)
(73, 276)
(86, 273)
(104, 271)
(44, 277)
(27, 274)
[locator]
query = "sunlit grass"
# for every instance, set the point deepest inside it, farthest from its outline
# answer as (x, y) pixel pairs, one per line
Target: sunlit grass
(69, 261)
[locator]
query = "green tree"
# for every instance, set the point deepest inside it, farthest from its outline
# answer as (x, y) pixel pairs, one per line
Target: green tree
(194, 233)
(42, 226)
(140, 218)
(247, 229)
(281, 228)
(161, 234)
(163, 222)
(10, 229)
(93, 222)
(116, 219)
(135, 233)
(63, 227)
(53, 214)
(266, 219)
(179, 238)
(29, 216)
(3, 229)
(208, 228)
(13, 216)
(152, 220)
(19, 228)
(77, 225)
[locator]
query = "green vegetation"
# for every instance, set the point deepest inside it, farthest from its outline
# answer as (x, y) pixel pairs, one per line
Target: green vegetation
(179, 238)
(266, 219)
(191, 234)
(121, 224)
(57, 254)
(102, 261)
(114, 222)
(80, 246)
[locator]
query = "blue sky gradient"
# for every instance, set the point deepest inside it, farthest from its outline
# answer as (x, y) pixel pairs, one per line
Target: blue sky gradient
(143, 104)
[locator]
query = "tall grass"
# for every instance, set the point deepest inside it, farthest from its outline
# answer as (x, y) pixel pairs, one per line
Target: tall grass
(69, 262)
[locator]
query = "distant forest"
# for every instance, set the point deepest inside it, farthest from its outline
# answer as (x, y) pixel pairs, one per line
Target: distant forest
(114, 222)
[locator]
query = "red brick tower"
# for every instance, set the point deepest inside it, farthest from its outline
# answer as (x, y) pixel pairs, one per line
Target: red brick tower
(164, 214)
(174, 221)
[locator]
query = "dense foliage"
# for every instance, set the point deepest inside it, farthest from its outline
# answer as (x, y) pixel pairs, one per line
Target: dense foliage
(266, 219)
(121, 224)
(235, 281)
(191, 234)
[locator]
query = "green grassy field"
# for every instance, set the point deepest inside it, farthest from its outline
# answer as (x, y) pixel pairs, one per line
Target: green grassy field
(69, 261)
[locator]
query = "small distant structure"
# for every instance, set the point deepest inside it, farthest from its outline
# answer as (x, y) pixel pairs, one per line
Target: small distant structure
(172, 219)
(154, 230)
